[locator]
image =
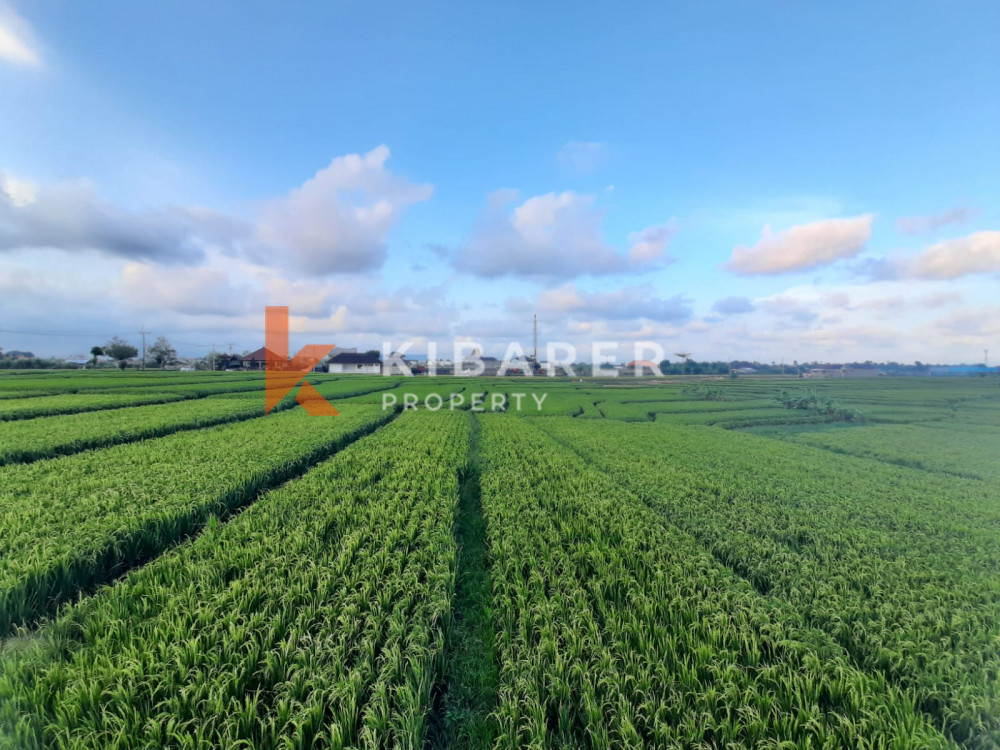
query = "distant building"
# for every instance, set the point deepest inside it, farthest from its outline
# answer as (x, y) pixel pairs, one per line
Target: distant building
(15, 354)
(255, 360)
(953, 370)
(473, 362)
(405, 364)
(518, 366)
(355, 363)
(491, 365)
(85, 360)
(843, 372)
(643, 367)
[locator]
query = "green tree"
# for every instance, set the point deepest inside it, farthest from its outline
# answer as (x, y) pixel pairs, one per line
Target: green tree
(162, 353)
(95, 352)
(120, 351)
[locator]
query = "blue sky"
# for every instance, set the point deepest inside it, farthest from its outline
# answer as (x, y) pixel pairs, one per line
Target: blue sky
(761, 181)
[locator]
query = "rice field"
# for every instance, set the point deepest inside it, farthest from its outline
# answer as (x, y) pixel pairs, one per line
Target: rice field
(499, 563)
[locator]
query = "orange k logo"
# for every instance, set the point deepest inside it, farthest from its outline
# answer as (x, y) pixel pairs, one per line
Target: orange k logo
(281, 374)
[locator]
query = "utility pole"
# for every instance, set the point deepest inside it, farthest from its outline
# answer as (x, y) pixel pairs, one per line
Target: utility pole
(535, 338)
(230, 345)
(986, 357)
(143, 332)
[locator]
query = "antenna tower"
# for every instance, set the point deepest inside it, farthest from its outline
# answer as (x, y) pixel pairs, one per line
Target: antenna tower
(143, 332)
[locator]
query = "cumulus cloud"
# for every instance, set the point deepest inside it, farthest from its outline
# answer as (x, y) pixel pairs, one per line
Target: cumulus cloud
(70, 216)
(874, 269)
(551, 236)
(17, 39)
(803, 247)
(19, 192)
(933, 222)
(789, 307)
(628, 303)
(976, 253)
(733, 306)
(650, 244)
(581, 157)
(975, 325)
(339, 220)
(188, 291)
(229, 295)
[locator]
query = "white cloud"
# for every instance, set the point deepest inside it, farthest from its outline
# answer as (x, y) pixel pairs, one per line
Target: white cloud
(17, 39)
(18, 192)
(551, 236)
(933, 222)
(188, 291)
(788, 307)
(627, 303)
(339, 220)
(976, 253)
(733, 306)
(803, 247)
(890, 300)
(71, 216)
(975, 326)
(581, 157)
(650, 244)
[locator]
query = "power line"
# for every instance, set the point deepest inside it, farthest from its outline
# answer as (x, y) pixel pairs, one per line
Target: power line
(65, 335)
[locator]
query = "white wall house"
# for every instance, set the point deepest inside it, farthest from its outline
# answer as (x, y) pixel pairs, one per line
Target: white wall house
(354, 363)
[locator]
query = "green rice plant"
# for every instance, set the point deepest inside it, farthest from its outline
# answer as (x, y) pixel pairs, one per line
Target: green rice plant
(918, 446)
(617, 630)
(896, 565)
(72, 523)
(702, 392)
(44, 406)
(197, 390)
(315, 619)
(47, 437)
(88, 382)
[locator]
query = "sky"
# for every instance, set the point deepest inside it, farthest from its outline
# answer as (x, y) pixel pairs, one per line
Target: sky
(739, 181)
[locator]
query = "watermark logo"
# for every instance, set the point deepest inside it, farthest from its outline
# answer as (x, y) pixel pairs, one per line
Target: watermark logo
(282, 374)
(477, 401)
